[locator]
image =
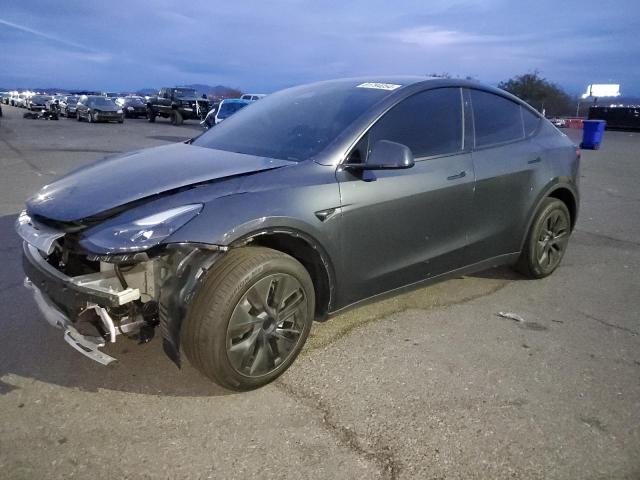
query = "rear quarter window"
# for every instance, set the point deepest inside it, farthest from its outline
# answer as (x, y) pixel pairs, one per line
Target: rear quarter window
(531, 122)
(495, 119)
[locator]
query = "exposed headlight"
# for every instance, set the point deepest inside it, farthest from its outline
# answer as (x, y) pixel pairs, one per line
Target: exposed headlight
(119, 111)
(140, 234)
(128, 108)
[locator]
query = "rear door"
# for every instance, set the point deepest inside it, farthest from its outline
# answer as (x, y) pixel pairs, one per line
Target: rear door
(506, 160)
(403, 226)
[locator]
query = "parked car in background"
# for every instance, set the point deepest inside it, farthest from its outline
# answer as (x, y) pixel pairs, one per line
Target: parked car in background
(5, 97)
(21, 100)
(228, 107)
(253, 96)
(37, 102)
(236, 241)
(177, 104)
(132, 106)
(558, 122)
(98, 108)
(68, 105)
(113, 95)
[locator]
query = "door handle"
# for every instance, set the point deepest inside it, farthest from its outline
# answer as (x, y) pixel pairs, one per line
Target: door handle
(462, 174)
(535, 160)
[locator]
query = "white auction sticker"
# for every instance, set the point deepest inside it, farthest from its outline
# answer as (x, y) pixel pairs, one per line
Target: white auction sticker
(379, 86)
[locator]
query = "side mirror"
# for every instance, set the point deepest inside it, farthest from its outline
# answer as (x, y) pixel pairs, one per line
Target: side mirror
(385, 155)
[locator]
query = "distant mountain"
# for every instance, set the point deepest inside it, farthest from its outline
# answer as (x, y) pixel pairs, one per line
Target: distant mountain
(147, 91)
(217, 91)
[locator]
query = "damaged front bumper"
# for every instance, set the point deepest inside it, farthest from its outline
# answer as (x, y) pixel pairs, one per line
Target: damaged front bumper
(95, 291)
(86, 345)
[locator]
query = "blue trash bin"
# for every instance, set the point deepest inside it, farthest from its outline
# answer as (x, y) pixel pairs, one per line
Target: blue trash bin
(592, 133)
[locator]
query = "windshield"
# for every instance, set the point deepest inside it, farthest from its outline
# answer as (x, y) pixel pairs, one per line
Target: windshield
(40, 98)
(133, 101)
(184, 93)
(72, 100)
(293, 124)
(227, 109)
(101, 102)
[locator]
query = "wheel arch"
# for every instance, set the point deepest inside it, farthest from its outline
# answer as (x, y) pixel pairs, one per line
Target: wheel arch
(563, 191)
(566, 196)
(305, 249)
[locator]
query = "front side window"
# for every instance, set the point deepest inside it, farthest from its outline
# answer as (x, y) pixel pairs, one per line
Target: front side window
(429, 123)
(495, 119)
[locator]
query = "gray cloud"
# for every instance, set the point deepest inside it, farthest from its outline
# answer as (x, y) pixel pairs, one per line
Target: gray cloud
(263, 46)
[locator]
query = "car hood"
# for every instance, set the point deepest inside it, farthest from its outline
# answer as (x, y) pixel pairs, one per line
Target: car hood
(122, 179)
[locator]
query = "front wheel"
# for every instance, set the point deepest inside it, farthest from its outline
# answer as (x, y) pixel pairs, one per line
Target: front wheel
(250, 318)
(547, 240)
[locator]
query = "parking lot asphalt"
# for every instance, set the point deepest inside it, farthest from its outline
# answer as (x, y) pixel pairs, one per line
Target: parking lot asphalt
(430, 384)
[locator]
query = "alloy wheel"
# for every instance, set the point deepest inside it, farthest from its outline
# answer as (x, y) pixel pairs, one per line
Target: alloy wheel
(266, 325)
(552, 240)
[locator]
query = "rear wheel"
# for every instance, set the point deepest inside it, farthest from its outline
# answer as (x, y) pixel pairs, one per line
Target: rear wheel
(547, 240)
(250, 318)
(176, 118)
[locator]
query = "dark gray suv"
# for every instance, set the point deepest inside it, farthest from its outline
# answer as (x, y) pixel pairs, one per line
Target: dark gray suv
(305, 203)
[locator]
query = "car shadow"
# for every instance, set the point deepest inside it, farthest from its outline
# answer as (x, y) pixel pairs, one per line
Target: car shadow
(30, 348)
(499, 273)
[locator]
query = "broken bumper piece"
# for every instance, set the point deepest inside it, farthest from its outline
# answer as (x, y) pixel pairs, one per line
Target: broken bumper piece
(86, 345)
(85, 292)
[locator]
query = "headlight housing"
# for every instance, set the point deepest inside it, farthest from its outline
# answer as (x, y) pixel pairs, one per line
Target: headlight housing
(141, 234)
(120, 111)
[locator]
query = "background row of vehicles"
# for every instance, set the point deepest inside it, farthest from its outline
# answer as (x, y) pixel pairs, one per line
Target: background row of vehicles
(176, 104)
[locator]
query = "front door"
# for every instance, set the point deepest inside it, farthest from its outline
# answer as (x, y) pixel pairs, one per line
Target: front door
(403, 226)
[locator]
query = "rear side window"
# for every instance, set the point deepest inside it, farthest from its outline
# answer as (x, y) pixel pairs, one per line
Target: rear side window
(531, 122)
(429, 123)
(495, 119)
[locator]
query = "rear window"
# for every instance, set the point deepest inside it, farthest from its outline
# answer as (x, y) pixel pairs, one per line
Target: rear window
(495, 119)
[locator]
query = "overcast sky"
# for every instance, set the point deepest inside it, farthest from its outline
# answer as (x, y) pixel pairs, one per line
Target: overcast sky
(262, 46)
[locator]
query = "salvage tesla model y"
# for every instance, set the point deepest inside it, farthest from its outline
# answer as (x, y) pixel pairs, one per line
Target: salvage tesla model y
(307, 202)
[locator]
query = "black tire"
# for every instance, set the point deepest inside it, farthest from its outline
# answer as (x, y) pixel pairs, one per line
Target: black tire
(176, 118)
(224, 290)
(546, 241)
(151, 117)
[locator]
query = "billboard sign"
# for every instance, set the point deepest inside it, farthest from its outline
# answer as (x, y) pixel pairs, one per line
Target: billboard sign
(602, 90)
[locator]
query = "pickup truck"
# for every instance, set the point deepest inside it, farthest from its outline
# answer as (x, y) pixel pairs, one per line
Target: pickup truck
(177, 104)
